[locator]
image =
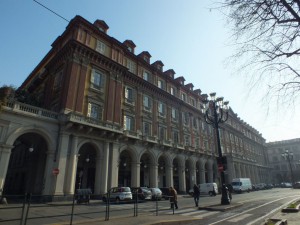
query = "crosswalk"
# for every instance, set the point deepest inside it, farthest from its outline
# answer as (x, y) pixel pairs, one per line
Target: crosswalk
(190, 212)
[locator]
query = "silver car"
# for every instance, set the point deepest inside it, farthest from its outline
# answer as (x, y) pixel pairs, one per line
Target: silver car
(156, 193)
(118, 194)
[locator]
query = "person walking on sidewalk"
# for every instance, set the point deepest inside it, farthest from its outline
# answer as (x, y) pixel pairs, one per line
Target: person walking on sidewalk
(196, 194)
(173, 198)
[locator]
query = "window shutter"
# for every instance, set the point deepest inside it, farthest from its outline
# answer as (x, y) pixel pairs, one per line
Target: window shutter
(124, 123)
(89, 110)
(92, 76)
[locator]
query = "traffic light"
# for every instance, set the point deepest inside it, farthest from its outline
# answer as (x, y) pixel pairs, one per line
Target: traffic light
(222, 162)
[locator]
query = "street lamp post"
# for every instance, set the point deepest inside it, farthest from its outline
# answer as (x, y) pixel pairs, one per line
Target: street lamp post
(289, 156)
(216, 111)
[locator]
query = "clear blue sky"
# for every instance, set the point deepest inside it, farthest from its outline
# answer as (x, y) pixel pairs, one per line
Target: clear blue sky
(186, 36)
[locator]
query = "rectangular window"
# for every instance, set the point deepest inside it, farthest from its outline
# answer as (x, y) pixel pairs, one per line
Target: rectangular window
(175, 136)
(161, 84)
(174, 114)
(146, 76)
(147, 129)
(172, 91)
(187, 140)
(94, 111)
(97, 79)
(131, 66)
(100, 47)
(129, 95)
(161, 133)
(183, 97)
(128, 123)
(197, 143)
(185, 118)
(195, 123)
(147, 103)
(193, 103)
(162, 109)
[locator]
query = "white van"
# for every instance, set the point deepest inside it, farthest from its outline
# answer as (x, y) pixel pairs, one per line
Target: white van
(210, 189)
(240, 185)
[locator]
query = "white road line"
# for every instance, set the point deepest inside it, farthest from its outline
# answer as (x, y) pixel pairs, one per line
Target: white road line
(203, 215)
(225, 219)
(241, 217)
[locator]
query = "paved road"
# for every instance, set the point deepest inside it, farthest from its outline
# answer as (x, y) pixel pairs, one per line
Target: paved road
(248, 208)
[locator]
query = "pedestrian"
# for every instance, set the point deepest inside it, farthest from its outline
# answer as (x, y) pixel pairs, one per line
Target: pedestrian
(173, 198)
(230, 190)
(196, 194)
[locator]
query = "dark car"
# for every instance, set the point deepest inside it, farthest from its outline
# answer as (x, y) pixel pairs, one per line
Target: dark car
(141, 193)
(165, 192)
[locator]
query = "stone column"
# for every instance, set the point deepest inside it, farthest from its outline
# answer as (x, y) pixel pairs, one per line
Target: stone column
(193, 176)
(169, 176)
(202, 173)
(49, 178)
(102, 170)
(153, 175)
(210, 173)
(181, 175)
(5, 152)
(72, 166)
(135, 174)
(113, 167)
(61, 164)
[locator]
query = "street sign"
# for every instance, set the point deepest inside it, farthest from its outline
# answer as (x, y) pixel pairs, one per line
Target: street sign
(55, 171)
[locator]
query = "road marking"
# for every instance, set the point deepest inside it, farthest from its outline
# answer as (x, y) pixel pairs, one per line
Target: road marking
(203, 215)
(241, 217)
(225, 219)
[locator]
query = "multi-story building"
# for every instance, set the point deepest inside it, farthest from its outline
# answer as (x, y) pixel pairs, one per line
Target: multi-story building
(102, 116)
(284, 159)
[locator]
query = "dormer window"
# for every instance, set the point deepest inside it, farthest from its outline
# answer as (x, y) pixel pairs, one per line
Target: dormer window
(159, 67)
(130, 49)
(146, 59)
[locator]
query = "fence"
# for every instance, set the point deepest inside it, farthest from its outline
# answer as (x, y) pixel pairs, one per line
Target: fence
(36, 209)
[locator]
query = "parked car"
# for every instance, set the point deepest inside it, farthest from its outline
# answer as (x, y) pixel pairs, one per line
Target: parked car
(142, 193)
(165, 192)
(286, 185)
(297, 184)
(156, 193)
(118, 194)
(261, 186)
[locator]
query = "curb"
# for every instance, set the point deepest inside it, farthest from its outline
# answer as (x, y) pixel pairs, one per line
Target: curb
(221, 208)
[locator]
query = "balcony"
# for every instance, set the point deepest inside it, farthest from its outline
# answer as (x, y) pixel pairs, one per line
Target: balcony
(30, 110)
(131, 134)
(77, 118)
(149, 139)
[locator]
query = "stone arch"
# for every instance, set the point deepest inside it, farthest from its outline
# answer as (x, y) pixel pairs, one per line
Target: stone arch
(88, 154)
(28, 161)
(50, 140)
(148, 162)
(129, 166)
